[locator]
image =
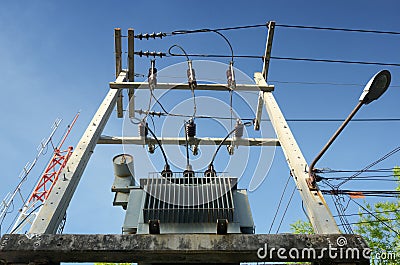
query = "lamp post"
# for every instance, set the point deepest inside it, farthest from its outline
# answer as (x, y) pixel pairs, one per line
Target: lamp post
(376, 86)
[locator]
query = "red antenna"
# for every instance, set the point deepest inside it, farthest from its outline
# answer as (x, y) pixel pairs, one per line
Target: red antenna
(46, 182)
(53, 169)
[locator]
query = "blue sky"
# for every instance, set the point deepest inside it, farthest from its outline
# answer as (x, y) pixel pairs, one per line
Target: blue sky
(56, 58)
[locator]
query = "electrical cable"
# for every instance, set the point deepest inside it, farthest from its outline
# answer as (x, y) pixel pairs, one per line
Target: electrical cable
(375, 193)
(392, 152)
(23, 220)
(267, 120)
(287, 59)
(339, 29)
(366, 213)
(159, 144)
(287, 206)
(378, 219)
(279, 204)
(179, 47)
(180, 32)
(372, 221)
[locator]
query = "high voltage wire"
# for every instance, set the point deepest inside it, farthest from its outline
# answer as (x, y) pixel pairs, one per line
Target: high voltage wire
(372, 221)
(285, 58)
(366, 213)
(180, 32)
(269, 81)
(159, 114)
(339, 29)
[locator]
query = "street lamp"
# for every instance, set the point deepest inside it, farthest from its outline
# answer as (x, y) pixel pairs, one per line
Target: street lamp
(376, 86)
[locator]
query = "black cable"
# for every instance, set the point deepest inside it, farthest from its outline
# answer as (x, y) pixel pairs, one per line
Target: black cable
(264, 120)
(180, 47)
(371, 165)
(333, 61)
(287, 59)
(339, 29)
(159, 144)
(279, 204)
(179, 32)
(221, 143)
(23, 220)
(158, 102)
(365, 209)
(304, 211)
(366, 213)
(378, 193)
(287, 206)
(328, 170)
(227, 41)
(372, 221)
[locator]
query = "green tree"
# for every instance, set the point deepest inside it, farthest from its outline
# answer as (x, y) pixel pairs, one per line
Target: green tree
(383, 241)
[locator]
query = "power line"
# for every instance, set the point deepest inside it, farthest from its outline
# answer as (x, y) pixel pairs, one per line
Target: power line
(339, 29)
(365, 209)
(372, 221)
(377, 193)
(333, 61)
(286, 58)
(159, 114)
(366, 213)
(180, 32)
(395, 150)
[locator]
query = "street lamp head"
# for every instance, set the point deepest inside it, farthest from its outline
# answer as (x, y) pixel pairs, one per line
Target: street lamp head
(376, 86)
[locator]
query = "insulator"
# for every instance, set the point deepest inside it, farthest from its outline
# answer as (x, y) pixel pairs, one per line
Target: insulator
(210, 172)
(191, 76)
(195, 150)
(167, 172)
(150, 54)
(152, 76)
(151, 148)
(143, 131)
(239, 129)
(231, 149)
(190, 128)
(188, 173)
(150, 36)
(230, 75)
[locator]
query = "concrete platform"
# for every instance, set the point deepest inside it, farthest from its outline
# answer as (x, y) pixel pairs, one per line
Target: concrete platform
(183, 248)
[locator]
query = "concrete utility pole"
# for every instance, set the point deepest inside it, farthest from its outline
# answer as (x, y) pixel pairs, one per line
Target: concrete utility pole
(43, 245)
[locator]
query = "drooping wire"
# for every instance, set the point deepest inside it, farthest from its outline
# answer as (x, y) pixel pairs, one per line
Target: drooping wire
(179, 32)
(179, 47)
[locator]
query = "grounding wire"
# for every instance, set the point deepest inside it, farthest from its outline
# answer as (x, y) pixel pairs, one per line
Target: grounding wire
(279, 204)
(287, 206)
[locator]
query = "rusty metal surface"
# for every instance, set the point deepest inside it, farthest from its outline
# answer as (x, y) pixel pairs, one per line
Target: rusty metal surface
(177, 248)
